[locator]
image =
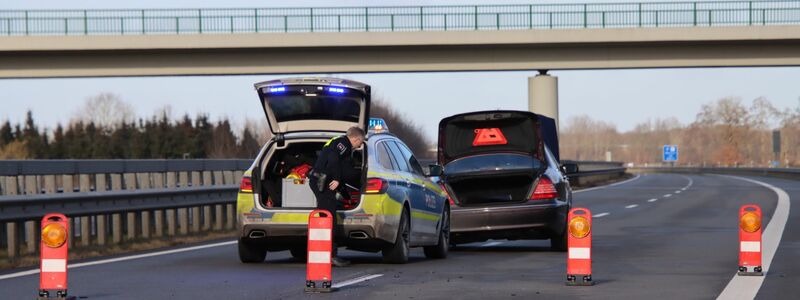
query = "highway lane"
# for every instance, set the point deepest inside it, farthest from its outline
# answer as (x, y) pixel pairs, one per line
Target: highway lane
(679, 246)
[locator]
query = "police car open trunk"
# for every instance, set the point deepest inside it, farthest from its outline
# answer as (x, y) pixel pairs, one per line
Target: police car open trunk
(302, 113)
(491, 157)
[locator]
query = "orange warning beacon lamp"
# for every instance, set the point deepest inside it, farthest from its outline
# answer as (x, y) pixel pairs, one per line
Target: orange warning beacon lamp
(53, 267)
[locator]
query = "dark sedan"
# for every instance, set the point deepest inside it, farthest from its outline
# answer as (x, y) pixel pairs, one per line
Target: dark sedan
(503, 180)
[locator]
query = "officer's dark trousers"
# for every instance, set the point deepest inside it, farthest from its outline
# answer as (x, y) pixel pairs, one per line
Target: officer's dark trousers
(327, 200)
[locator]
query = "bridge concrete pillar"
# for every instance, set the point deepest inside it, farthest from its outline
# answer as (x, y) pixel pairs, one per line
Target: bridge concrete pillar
(543, 95)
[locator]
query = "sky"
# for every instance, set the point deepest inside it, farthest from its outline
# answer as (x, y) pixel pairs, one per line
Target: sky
(622, 97)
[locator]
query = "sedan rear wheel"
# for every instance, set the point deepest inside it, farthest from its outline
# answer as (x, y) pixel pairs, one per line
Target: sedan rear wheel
(440, 249)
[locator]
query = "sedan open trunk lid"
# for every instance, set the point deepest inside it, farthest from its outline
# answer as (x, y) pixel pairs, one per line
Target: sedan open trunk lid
(486, 132)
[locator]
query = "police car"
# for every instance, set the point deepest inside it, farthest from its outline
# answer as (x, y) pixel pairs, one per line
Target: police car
(389, 204)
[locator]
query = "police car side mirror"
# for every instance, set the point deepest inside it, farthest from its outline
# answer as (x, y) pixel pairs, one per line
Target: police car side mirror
(435, 170)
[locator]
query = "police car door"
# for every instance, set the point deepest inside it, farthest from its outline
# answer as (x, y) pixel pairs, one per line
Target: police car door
(416, 194)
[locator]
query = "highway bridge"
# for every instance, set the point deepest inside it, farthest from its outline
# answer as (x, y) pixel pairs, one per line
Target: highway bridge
(656, 235)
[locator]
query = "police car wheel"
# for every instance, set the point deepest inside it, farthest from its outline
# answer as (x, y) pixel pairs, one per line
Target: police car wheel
(250, 252)
(398, 252)
(440, 249)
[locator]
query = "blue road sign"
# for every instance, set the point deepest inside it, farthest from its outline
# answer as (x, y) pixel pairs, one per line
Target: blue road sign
(670, 152)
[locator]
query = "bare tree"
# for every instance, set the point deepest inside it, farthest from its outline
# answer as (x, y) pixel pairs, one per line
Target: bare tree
(106, 110)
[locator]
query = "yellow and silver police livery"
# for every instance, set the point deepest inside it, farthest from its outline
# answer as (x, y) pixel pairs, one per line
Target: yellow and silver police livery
(392, 205)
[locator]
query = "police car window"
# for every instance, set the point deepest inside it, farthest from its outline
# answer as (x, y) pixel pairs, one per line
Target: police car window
(412, 161)
(383, 156)
(399, 159)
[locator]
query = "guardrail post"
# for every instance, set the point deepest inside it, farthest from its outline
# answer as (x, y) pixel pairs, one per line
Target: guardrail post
(130, 181)
(158, 180)
(172, 179)
(311, 17)
(183, 220)
(207, 179)
(100, 186)
(750, 11)
(255, 18)
(195, 219)
(143, 30)
(85, 187)
(145, 224)
(12, 240)
(366, 19)
(228, 177)
(206, 217)
(640, 14)
(31, 234)
(50, 184)
(229, 216)
(421, 19)
(26, 23)
(158, 216)
(68, 186)
(116, 218)
(694, 10)
(218, 178)
(585, 16)
(131, 226)
(31, 188)
(218, 215)
(185, 179)
(199, 21)
(476, 17)
(170, 222)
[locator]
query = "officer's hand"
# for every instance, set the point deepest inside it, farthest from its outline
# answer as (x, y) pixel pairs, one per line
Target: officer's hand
(333, 185)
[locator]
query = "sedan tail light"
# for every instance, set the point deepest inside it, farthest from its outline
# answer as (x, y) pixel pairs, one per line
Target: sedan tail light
(544, 190)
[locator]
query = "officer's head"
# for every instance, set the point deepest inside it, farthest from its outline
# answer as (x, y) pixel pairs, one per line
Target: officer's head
(356, 136)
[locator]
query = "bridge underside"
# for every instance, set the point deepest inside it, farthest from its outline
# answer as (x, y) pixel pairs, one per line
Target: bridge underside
(282, 53)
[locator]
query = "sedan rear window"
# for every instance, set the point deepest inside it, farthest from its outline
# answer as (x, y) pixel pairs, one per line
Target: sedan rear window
(507, 132)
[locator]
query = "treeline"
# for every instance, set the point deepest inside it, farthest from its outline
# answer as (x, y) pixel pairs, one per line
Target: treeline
(727, 132)
(157, 137)
(105, 128)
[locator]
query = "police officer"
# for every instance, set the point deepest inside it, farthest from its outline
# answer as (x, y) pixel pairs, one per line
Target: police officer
(328, 176)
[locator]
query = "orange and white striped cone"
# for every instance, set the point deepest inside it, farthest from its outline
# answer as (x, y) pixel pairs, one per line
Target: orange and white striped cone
(54, 254)
(320, 240)
(579, 247)
(750, 240)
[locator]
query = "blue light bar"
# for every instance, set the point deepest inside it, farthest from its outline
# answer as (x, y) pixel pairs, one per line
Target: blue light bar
(277, 89)
(336, 90)
(377, 125)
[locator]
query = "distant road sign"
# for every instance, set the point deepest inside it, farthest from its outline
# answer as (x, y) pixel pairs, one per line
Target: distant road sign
(670, 153)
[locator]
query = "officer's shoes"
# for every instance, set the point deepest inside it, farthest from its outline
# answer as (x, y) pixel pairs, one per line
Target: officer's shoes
(340, 262)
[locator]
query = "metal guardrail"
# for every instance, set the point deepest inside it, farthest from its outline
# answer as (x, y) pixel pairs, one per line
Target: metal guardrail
(25, 208)
(401, 18)
(96, 166)
(790, 173)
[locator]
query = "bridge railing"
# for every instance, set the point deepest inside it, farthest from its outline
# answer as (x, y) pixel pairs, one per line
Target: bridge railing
(403, 18)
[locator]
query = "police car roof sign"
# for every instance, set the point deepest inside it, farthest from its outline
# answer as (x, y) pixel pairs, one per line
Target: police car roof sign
(377, 125)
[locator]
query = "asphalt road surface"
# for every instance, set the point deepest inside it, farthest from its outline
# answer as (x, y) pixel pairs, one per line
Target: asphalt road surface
(657, 236)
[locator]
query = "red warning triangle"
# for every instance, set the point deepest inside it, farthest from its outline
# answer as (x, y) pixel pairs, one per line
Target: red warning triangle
(489, 136)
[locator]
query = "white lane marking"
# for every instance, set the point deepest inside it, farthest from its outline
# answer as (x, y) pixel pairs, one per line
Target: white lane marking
(632, 206)
(605, 186)
(691, 182)
(667, 195)
(600, 215)
(356, 280)
(118, 259)
(580, 253)
(491, 244)
(677, 192)
(652, 200)
(746, 287)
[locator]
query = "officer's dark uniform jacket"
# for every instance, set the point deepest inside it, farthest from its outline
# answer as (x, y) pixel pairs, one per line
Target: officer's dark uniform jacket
(332, 158)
